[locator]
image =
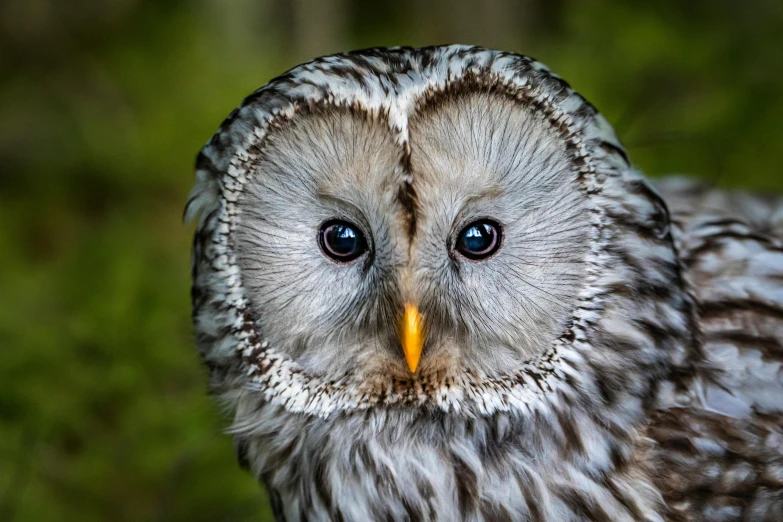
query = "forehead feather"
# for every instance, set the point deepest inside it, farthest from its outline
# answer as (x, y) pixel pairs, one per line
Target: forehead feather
(394, 81)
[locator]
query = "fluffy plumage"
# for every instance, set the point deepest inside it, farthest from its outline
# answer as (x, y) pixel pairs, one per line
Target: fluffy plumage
(619, 357)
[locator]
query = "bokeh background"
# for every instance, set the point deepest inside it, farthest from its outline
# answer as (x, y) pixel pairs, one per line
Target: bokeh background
(103, 106)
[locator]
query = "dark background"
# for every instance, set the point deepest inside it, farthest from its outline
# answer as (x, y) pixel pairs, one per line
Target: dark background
(103, 106)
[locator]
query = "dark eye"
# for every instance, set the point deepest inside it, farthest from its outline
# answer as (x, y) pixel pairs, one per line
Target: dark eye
(341, 241)
(479, 240)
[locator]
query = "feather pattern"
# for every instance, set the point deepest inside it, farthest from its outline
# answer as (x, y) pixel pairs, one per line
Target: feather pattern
(724, 448)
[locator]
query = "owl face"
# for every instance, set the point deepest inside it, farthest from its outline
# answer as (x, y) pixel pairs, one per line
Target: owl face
(449, 227)
(478, 225)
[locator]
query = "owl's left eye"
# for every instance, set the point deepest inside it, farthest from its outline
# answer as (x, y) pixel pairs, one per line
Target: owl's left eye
(479, 240)
(341, 241)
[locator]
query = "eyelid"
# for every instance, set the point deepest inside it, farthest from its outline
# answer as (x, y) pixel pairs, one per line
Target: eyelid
(343, 210)
(467, 212)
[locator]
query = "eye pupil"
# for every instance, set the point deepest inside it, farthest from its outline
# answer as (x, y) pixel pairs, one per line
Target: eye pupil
(342, 241)
(479, 240)
(476, 239)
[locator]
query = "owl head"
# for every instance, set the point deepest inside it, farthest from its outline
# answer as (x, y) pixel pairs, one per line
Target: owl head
(446, 228)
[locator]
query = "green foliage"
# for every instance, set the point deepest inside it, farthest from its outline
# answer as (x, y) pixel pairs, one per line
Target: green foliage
(103, 406)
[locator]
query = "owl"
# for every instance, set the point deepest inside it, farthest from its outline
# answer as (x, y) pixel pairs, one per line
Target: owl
(429, 285)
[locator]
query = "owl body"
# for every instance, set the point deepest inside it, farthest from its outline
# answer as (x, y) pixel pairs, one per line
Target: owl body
(591, 347)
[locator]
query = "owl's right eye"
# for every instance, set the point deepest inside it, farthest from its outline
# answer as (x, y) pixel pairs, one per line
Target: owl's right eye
(341, 241)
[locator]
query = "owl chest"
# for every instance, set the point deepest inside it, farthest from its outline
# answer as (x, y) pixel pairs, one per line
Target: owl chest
(342, 473)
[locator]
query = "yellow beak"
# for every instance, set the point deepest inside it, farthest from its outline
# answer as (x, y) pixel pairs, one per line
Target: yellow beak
(412, 336)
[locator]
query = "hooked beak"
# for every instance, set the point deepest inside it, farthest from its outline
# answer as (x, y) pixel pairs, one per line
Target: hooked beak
(412, 336)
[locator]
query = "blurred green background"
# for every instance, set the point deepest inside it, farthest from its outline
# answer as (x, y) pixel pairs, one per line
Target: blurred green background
(103, 106)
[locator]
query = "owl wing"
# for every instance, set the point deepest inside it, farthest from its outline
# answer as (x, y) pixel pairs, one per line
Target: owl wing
(719, 456)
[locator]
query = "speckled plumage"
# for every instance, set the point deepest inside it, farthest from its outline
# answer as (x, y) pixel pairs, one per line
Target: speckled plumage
(661, 397)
